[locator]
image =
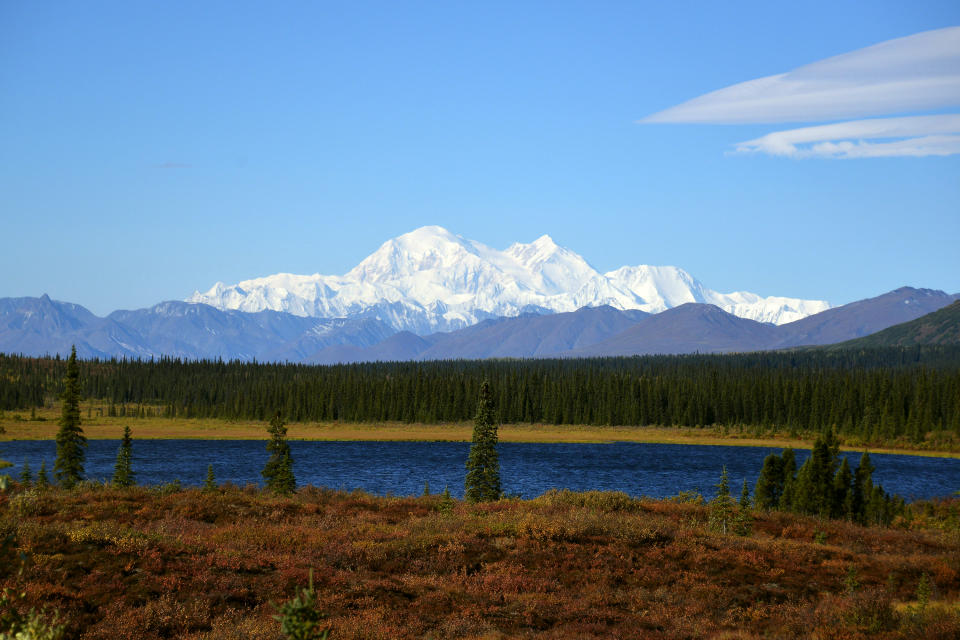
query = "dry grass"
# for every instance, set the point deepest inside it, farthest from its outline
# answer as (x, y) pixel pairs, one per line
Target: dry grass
(97, 426)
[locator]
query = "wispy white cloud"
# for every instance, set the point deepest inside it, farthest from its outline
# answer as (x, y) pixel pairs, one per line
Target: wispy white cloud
(881, 137)
(918, 72)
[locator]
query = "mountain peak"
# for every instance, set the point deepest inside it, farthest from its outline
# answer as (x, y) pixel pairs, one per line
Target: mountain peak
(430, 248)
(431, 279)
(430, 234)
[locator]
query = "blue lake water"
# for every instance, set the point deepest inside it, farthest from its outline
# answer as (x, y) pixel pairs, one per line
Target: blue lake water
(527, 469)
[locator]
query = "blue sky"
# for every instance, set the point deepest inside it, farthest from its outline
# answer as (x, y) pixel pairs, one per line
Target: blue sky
(151, 149)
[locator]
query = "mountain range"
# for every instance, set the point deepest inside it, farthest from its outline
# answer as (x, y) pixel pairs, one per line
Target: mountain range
(431, 280)
(430, 294)
(40, 326)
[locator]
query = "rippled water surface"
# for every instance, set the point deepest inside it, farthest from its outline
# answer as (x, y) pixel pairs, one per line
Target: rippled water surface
(527, 469)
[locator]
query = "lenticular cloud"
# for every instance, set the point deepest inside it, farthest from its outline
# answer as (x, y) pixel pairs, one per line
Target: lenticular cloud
(880, 137)
(902, 76)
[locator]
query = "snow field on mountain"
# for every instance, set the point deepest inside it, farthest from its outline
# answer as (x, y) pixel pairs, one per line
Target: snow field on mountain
(432, 280)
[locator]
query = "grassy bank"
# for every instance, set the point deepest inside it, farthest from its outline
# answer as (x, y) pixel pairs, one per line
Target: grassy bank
(154, 563)
(20, 426)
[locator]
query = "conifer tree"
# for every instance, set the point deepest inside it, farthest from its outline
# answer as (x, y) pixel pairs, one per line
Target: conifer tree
(209, 483)
(742, 521)
(278, 471)
(806, 497)
(42, 480)
(26, 475)
(841, 491)
(482, 482)
(722, 506)
(299, 618)
(862, 488)
(123, 475)
(814, 485)
(446, 503)
(769, 486)
(68, 467)
(789, 459)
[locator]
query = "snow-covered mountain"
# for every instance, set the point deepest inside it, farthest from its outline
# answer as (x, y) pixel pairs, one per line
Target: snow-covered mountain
(431, 280)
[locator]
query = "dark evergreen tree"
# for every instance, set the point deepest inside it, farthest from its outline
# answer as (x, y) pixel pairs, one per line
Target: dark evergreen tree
(769, 488)
(842, 500)
(862, 489)
(123, 475)
(880, 508)
(814, 485)
(722, 505)
(278, 472)
(789, 465)
(743, 521)
(209, 483)
(42, 480)
(26, 475)
(446, 503)
(68, 467)
(483, 466)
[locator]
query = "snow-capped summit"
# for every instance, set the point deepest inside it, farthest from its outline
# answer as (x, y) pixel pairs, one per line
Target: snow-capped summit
(433, 280)
(425, 249)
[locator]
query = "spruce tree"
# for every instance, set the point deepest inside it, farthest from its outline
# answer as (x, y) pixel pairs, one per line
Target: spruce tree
(482, 482)
(68, 467)
(769, 486)
(299, 618)
(842, 499)
(806, 497)
(722, 506)
(209, 483)
(42, 480)
(789, 459)
(446, 503)
(743, 521)
(814, 485)
(862, 488)
(123, 475)
(26, 475)
(278, 471)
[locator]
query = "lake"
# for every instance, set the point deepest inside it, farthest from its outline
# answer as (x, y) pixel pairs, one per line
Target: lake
(527, 469)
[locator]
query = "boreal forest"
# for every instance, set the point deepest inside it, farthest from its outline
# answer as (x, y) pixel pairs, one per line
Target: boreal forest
(877, 393)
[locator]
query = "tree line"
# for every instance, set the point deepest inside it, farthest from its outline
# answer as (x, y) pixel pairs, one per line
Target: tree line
(877, 393)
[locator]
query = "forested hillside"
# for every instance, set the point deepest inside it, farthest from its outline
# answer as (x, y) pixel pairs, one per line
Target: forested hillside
(939, 327)
(879, 393)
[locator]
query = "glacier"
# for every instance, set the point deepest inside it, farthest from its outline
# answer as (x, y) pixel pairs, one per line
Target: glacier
(432, 280)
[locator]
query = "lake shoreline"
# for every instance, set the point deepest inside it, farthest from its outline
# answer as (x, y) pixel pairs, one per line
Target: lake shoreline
(166, 429)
